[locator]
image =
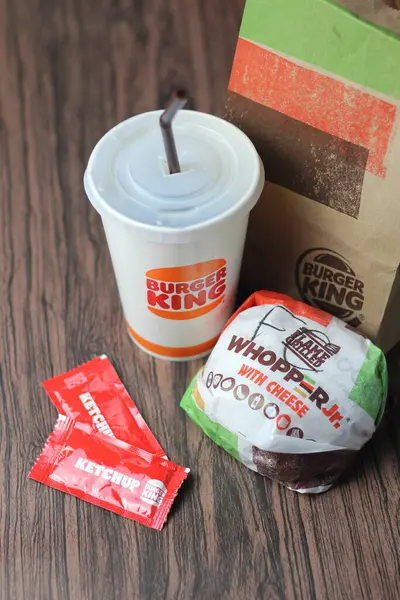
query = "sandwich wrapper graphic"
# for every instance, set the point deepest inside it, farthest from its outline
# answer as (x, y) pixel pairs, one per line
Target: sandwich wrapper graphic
(315, 84)
(290, 391)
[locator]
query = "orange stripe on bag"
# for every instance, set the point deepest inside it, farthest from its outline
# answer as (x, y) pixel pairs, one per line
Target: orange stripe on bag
(173, 352)
(330, 105)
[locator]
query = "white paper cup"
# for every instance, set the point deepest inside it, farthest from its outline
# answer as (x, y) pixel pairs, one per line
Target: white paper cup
(176, 241)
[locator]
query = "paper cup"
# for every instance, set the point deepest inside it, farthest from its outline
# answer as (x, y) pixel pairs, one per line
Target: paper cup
(176, 241)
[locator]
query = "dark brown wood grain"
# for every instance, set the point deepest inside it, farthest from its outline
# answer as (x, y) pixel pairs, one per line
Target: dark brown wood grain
(69, 70)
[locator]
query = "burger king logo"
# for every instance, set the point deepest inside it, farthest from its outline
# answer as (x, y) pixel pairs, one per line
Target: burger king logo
(186, 292)
(325, 279)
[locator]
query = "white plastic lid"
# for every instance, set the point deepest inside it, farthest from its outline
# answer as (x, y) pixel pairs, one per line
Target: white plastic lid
(127, 175)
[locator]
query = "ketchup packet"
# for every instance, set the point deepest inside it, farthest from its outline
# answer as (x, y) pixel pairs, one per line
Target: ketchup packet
(93, 393)
(109, 473)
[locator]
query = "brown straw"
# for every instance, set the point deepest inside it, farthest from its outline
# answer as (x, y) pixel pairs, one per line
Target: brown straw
(178, 101)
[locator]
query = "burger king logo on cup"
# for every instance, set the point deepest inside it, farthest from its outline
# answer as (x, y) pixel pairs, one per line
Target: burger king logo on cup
(325, 279)
(187, 292)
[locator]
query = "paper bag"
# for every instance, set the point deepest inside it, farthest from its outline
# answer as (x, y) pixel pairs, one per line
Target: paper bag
(317, 89)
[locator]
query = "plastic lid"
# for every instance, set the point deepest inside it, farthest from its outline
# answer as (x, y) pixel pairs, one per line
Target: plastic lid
(127, 175)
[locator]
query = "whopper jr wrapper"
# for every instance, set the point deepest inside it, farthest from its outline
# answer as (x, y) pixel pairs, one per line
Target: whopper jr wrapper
(317, 89)
(290, 391)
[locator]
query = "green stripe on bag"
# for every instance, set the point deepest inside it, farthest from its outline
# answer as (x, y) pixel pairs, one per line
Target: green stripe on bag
(324, 34)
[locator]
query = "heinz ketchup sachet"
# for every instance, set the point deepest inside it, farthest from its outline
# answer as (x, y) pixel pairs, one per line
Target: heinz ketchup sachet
(93, 393)
(109, 473)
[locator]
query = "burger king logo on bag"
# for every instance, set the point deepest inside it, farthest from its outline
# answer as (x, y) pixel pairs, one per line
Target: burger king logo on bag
(325, 279)
(187, 292)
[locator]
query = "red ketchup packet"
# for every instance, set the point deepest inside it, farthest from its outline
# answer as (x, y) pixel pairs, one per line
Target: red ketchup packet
(93, 393)
(109, 473)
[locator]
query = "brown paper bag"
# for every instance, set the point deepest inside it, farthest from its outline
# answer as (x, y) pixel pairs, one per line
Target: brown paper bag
(317, 89)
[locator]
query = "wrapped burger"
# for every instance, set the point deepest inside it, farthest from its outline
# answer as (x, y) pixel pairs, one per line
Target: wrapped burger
(290, 391)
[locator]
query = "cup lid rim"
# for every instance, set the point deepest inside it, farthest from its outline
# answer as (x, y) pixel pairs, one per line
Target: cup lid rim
(250, 181)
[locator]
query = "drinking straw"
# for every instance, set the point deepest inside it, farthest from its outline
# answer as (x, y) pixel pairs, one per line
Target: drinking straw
(177, 102)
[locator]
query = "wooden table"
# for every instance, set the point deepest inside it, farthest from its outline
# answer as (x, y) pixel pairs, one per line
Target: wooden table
(71, 69)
